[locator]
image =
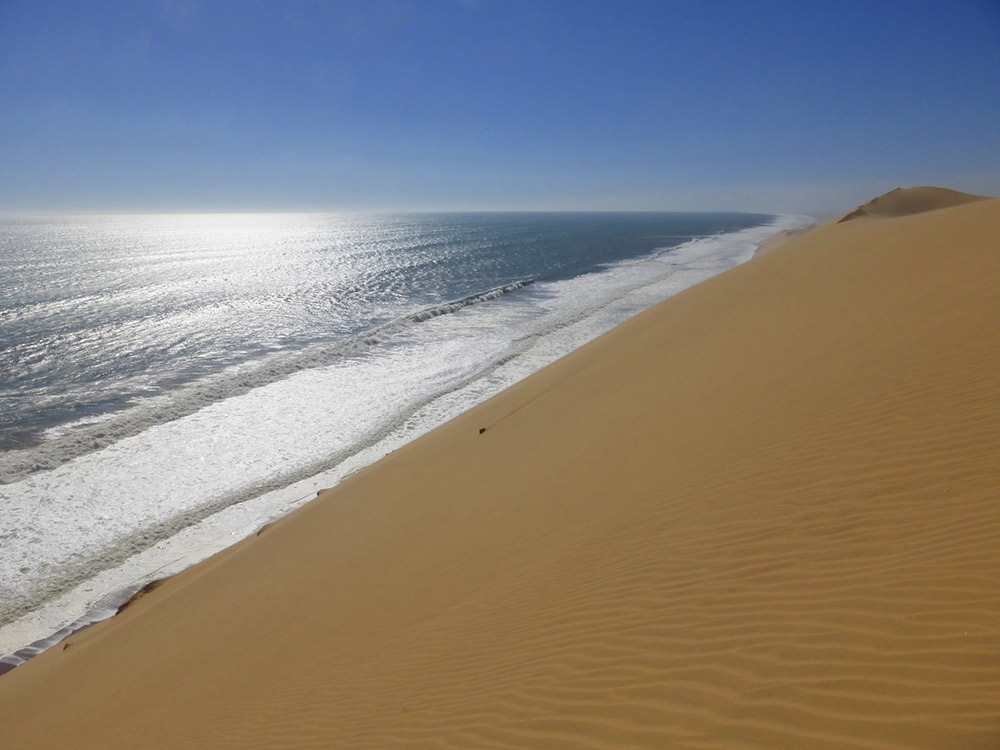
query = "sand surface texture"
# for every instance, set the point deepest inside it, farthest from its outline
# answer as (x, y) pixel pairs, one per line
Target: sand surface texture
(763, 514)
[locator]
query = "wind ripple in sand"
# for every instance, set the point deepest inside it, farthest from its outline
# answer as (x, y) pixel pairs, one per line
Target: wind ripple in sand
(756, 642)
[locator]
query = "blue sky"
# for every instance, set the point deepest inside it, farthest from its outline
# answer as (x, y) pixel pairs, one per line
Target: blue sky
(252, 105)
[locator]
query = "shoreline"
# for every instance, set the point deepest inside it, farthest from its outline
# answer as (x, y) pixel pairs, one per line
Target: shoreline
(759, 513)
(778, 239)
(289, 499)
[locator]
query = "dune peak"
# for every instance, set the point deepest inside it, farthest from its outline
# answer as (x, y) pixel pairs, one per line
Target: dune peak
(907, 201)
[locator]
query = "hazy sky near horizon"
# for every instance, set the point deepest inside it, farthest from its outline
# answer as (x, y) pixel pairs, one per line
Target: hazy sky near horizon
(202, 105)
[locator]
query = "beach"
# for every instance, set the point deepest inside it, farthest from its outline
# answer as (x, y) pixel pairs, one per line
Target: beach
(760, 514)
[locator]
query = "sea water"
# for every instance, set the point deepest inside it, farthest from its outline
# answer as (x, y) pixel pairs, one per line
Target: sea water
(170, 383)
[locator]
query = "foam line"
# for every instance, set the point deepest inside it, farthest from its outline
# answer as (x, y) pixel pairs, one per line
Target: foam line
(89, 436)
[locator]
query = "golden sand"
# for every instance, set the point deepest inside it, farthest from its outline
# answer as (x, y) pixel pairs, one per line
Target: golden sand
(780, 238)
(763, 514)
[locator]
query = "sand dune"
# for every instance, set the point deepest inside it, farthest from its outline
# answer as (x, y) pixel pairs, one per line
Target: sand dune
(909, 201)
(761, 515)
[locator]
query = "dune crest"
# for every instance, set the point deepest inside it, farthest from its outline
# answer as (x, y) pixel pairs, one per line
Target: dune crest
(909, 201)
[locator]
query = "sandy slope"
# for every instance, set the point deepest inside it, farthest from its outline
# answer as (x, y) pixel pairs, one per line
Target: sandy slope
(761, 515)
(905, 202)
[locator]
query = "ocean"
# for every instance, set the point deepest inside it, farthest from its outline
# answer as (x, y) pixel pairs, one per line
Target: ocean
(170, 383)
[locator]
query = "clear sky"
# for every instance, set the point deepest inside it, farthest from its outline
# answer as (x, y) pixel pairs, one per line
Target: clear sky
(250, 105)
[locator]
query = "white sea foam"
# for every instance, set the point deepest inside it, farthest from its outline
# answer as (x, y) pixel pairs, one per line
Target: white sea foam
(91, 433)
(95, 528)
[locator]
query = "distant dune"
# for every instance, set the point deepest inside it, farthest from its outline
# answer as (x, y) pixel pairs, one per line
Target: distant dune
(763, 514)
(909, 201)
